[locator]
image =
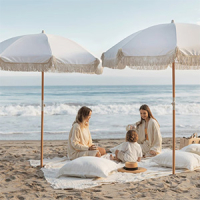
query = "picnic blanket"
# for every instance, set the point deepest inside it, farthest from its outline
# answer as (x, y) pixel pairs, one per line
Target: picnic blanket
(52, 167)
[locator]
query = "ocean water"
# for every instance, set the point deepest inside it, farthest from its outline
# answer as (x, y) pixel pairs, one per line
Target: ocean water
(113, 108)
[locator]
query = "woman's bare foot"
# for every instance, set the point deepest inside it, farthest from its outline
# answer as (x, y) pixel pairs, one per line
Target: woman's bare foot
(98, 154)
(101, 150)
(153, 153)
(112, 157)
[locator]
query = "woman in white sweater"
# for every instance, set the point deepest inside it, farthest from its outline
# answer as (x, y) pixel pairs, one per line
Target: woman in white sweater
(80, 141)
(148, 130)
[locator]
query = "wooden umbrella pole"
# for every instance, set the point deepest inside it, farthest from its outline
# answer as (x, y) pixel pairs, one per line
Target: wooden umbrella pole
(174, 116)
(42, 120)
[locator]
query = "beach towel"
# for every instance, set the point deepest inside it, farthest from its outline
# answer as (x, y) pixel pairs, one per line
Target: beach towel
(52, 167)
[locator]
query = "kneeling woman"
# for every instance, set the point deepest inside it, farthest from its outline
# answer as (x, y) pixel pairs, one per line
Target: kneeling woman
(80, 141)
(148, 130)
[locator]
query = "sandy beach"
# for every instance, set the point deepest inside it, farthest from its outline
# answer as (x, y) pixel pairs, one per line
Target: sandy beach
(18, 180)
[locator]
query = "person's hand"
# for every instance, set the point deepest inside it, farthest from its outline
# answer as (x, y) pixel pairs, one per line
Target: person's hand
(116, 152)
(154, 153)
(92, 147)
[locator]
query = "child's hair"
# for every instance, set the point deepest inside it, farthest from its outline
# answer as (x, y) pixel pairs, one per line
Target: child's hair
(131, 136)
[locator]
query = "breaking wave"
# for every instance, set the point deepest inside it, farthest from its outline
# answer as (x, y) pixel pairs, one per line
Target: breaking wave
(111, 109)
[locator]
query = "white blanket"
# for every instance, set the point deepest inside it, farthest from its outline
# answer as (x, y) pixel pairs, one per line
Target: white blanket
(52, 167)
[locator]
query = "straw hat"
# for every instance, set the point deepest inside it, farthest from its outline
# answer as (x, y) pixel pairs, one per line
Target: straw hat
(131, 167)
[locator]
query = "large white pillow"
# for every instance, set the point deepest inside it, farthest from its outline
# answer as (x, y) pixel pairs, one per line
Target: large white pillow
(182, 160)
(87, 167)
(193, 148)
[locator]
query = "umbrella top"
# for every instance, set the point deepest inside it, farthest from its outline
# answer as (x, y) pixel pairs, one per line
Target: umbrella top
(46, 52)
(157, 47)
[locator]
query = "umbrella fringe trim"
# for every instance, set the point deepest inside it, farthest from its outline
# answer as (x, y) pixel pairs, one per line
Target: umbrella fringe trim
(145, 62)
(112, 63)
(187, 62)
(78, 68)
(35, 67)
(182, 61)
(53, 66)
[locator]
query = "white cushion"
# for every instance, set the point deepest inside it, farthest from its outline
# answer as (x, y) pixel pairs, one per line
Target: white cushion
(88, 167)
(193, 148)
(182, 160)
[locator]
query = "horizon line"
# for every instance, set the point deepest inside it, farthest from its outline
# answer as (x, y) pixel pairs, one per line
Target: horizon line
(100, 85)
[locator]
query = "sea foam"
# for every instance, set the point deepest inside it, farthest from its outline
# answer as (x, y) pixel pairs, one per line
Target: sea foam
(111, 109)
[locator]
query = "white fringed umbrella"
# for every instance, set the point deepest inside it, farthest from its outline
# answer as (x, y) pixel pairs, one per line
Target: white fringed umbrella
(156, 48)
(46, 53)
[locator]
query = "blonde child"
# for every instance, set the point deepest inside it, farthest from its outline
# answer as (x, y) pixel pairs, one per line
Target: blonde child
(130, 150)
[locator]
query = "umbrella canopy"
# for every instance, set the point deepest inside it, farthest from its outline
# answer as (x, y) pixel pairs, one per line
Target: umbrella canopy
(156, 47)
(45, 52)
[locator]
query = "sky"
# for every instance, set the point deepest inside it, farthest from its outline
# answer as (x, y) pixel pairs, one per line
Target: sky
(97, 25)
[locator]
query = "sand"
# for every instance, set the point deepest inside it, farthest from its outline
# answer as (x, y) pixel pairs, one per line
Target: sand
(18, 180)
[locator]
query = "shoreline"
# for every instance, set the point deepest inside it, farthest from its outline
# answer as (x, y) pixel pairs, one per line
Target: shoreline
(167, 142)
(18, 180)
